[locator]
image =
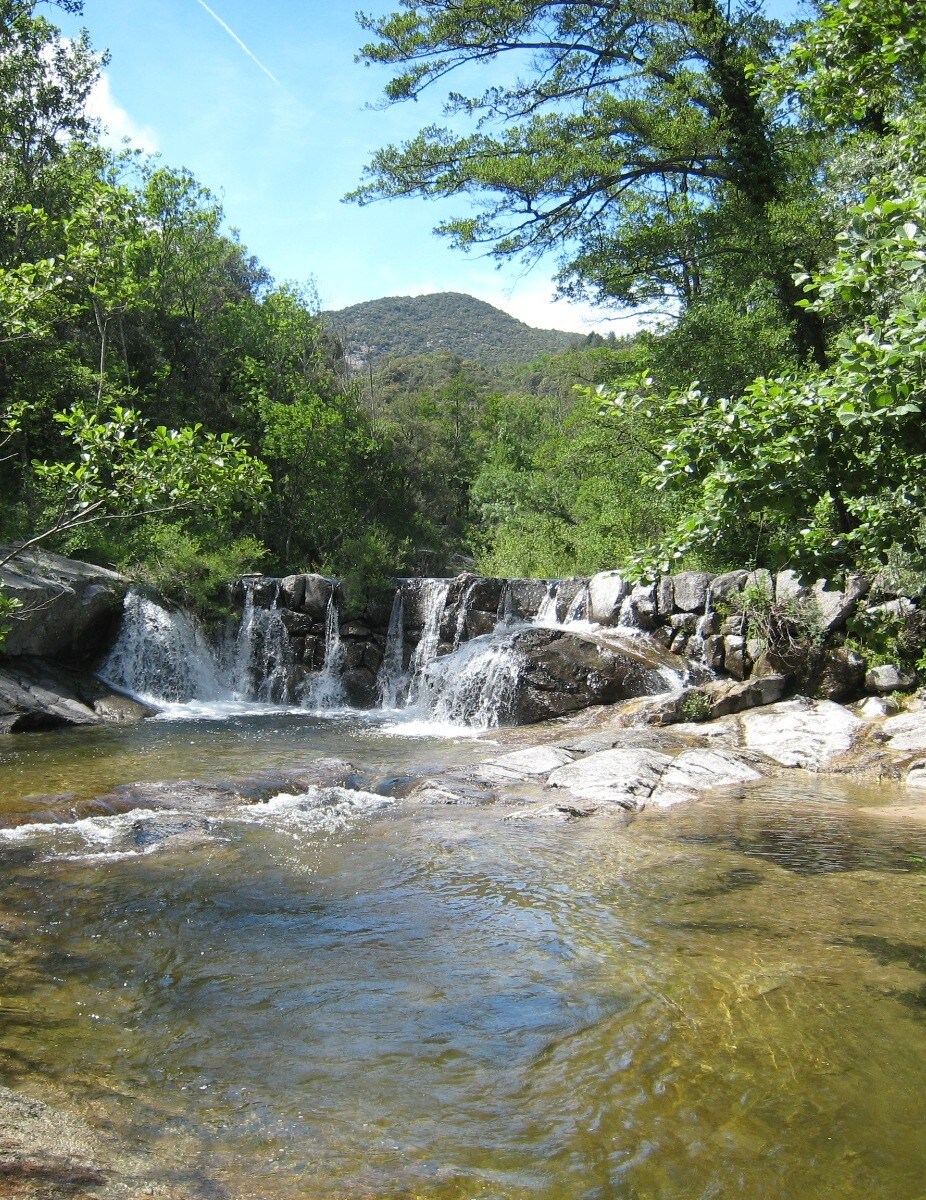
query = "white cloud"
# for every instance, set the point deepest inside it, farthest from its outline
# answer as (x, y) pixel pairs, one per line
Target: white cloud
(116, 122)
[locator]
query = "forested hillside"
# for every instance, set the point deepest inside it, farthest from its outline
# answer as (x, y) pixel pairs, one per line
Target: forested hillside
(166, 407)
(402, 326)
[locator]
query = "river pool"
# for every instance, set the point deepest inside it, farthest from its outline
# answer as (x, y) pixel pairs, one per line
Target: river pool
(334, 994)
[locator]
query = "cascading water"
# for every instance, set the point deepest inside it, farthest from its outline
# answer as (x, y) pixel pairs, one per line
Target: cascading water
(546, 613)
(326, 689)
(162, 655)
(434, 602)
(475, 686)
(391, 676)
(261, 651)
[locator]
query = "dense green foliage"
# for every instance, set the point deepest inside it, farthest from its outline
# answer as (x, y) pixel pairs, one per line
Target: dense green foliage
(764, 185)
(404, 326)
(165, 406)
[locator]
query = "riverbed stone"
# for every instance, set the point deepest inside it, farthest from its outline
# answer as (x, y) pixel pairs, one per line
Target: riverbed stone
(698, 770)
(906, 732)
(625, 778)
(801, 732)
(537, 760)
(872, 708)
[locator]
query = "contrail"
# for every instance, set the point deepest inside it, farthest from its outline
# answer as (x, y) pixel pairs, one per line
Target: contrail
(231, 33)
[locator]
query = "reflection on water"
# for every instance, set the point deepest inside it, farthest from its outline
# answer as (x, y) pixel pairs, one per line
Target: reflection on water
(722, 1000)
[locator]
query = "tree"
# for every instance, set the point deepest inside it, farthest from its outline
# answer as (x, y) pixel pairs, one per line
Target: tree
(827, 467)
(634, 143)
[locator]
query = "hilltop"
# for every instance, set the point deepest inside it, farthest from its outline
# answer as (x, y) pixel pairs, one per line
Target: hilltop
(403, 326)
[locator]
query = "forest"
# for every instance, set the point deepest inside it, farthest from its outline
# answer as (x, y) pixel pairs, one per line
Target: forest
(757, 188)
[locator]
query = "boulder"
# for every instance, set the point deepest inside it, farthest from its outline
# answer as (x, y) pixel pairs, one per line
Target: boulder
(561, 672)
(606, 592)
(691, 591)
(625, 778)
(887, 678)
(835, 606)
(70, 608)
(35, 694)
(801, 732)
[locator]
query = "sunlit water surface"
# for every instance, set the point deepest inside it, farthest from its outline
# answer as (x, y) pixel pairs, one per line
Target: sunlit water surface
(335, 996)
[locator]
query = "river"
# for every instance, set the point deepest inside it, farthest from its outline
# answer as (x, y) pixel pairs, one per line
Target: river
(330, 993)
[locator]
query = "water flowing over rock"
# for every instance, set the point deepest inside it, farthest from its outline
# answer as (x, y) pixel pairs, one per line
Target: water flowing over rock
(162, 655)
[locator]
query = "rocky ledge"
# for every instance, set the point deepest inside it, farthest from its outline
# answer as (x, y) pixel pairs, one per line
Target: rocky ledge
(614, 761)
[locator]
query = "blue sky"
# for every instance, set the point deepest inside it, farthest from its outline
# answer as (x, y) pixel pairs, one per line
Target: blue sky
(272, 113)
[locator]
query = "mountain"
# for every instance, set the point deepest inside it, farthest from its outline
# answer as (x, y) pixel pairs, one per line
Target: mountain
(402, 326)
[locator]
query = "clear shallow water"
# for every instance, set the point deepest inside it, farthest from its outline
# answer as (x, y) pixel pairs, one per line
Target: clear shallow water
(335, 997)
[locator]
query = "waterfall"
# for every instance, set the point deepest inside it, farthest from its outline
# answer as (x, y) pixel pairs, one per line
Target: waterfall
(326, 689)
(476, 685)
(546, 613)
(162, 655)
(435, 598)
(392, 671)
(505, 614)
(462, 613)
(261, 650)
(580, 606)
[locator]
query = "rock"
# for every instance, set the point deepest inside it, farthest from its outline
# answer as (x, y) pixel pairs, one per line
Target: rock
(874, 707)
(562, 672)
(567, 591)
(835, 607)
(761, 581)
(527, 595)
(788, 586)
(691, 590)
(801, 732)
(894, 610)
(641, 606)
(70, 608)
(916, 776)
(906, 731)
(292, 591)
(360, 687)
(665, 596)
(724, 586)
(625, 778)
(734, 656)
(538, 760)
(606, 592)
(36, 694)
(713, 651)
(843, 676)
(888, 678)
(552, 812)
(728, 698)
(700, 770)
